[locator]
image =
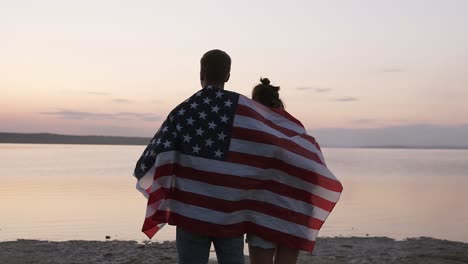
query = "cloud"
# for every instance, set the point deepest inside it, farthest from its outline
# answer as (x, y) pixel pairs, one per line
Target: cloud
(317, 90)
(122, 101)
(142, 116)
(364, 121)
(151, 118)
(323, 90)
(346, 99)
(98, 93)
(68, 114)
(304, 88)
(392, 70)
(80, 115)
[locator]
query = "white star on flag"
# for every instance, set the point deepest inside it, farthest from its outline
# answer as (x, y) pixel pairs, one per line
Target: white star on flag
(212, 125)
(209, 142)
(196, 149)
(167, 144)
(190, 121)
(200, 131)
(228, 103)
(206, 100)
(224, 119)
(221, 136)
(218, 153)
(193, 105)
(202, 115)
(215, 109)
(187, 138)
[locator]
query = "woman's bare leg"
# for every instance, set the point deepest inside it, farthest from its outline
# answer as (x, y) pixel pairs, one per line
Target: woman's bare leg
(260, 255)
(285, 255)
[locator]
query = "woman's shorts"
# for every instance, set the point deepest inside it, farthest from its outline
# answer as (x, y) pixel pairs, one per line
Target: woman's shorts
(257, 241)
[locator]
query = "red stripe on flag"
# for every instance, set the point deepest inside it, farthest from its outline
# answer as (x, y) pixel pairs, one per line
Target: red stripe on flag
(273, 163)
(156, 196)
(150, 228)
(150, 225)
(233, 230)
(288, 116)
(249, 112)
(245, 183)
(267, 138)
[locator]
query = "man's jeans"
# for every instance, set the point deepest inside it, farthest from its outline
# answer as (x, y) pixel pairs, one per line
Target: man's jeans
(195, 249)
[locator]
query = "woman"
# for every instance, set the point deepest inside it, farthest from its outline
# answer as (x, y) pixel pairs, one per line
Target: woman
(262, 251)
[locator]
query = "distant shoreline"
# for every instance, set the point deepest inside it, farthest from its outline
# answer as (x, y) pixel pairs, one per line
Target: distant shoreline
(49, 138)
(401, 147)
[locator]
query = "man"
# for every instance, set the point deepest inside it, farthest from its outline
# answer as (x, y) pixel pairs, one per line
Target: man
(215, 67)
(194, 247)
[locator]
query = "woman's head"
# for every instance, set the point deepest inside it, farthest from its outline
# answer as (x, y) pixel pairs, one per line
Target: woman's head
(267, 94)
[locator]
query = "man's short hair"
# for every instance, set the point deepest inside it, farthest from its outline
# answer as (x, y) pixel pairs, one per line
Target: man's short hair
(216, 64)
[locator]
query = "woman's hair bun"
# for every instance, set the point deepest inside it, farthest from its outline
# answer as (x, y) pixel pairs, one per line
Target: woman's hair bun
(265, 81)
(267, 94)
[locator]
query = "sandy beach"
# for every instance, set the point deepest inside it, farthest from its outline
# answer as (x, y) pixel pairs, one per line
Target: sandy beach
(328, 250)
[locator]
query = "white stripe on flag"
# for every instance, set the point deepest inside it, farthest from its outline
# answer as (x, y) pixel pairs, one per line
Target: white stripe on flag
(241, 171)
(146, 181)
(221, 218)
(252, 123)
(266, 150)
(276, 118)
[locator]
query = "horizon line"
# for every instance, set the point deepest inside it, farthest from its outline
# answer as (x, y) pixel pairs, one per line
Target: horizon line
(136, 140)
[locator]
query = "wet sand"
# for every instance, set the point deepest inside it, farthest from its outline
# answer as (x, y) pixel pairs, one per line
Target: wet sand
(328, 250)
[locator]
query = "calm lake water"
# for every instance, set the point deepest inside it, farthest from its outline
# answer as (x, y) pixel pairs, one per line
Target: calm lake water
(63, 192)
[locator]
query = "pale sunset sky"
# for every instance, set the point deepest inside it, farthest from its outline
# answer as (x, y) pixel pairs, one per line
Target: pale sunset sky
(107, 67)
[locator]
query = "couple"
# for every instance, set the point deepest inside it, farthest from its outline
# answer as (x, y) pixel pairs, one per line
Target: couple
(223, 165)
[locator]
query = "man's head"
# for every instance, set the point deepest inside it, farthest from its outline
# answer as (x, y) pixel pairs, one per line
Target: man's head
(215, 68)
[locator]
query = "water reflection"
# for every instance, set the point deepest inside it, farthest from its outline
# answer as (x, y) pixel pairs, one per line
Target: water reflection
(63, 192)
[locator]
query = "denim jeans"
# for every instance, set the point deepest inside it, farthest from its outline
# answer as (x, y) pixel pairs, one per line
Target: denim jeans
(195, 249)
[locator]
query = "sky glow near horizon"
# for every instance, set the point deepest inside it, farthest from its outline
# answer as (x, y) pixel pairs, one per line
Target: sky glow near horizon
(118, 67)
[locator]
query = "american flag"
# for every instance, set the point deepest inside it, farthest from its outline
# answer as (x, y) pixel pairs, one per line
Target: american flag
(224, 165)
